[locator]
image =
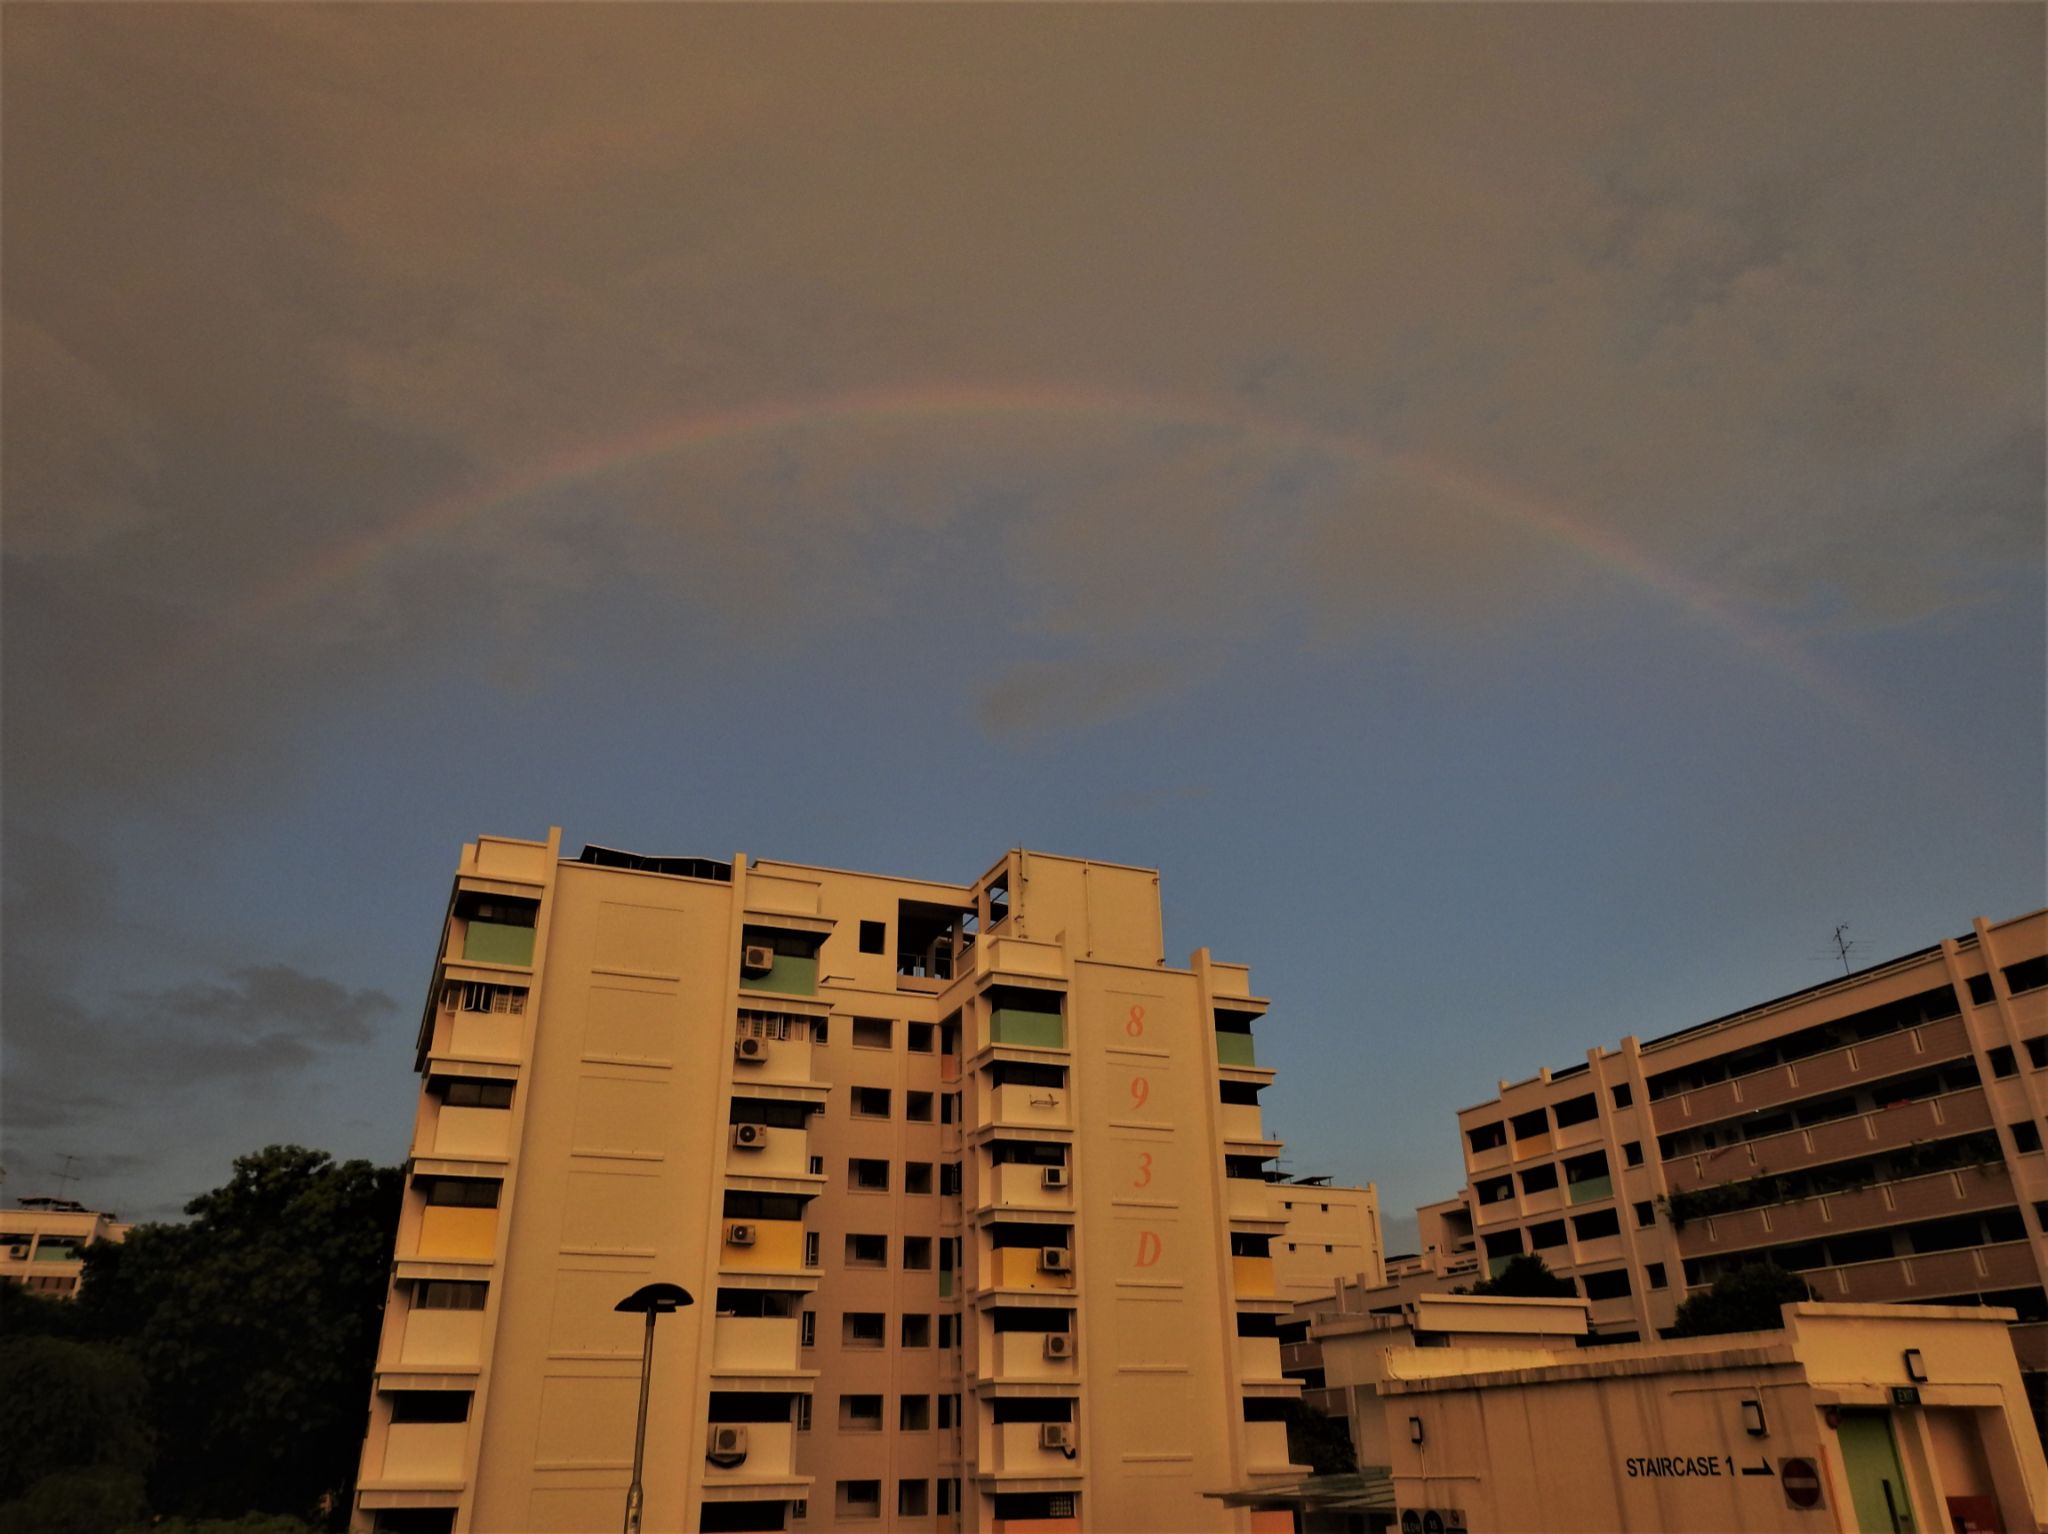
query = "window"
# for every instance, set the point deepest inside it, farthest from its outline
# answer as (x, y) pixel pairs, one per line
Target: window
(914, 1414)
(1611, 1285)
(2027, 975)
(817, 1166)
(809, 1330)
(949, 1108)
(803, 1414)
(873, 1033)
(811, 1256)
(820, 1030)
(920, 1037)
(917, 1330)
(1540, 1179)
(917, 1177)
(948, 1411)
(858, 1499)
(1632, 1152)
(864, 1176)
(1577, 1111)
(1655, 1273)
(867, 1251)
(949, 1179)
(2027, 1136)
(871, 1102)
(1486, 1137)
(1546, 1234)
(475, 996)
(430, 1406)
(461, 1192)
(863, 1329)
(495, 1094)
(2002, 1061)
(949, 1331)
(1496, 1190)
(449, 1294)
(1623, 1096)
(945, 1499)
(917, 1253)
(917, 1107)
(874, 937)
(800, 1509)
(1527, 1126)
(2037, 1052)
(1591, 1227)
(860, 1414)
(1646, 1215)
(913, 1499)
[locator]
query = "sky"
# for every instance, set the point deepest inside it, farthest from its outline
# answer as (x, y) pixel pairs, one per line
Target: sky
(1529, 516)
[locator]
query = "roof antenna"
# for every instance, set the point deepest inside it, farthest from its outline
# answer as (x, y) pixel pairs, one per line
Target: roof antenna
(1843, 945)
(66, 1178)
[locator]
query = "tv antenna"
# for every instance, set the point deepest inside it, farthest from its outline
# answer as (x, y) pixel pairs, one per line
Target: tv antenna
(1843, 945)
(66, 1178)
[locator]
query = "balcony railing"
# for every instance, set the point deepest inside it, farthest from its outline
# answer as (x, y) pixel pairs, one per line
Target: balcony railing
(777, 1247)
(1029, 1030)
(1022, 1356)
(1019, 1186)
(1258, 1358)
(458, 1233)
(1036, 1107)
(1861, 1134)
(1252, 1278)
(425, 1451)
(1963, 1191)
(1235, 1049)
(791, 974)
(755, 1344)
(1837, 1070)
(771, 1456)
(1016, 1450)
(1019, 1267)
(447, 1338)
(1928, 1275)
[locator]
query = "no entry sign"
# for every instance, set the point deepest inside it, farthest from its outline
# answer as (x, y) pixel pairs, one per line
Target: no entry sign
(1801, 1482)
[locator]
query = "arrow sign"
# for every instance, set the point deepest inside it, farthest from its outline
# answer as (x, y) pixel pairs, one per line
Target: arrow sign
(1761, 1467)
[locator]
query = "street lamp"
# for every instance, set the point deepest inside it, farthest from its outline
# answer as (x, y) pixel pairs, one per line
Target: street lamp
(650, 1300)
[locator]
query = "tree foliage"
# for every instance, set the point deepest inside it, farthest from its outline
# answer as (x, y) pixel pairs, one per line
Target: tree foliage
(1527, 1276)
(1319, 1440)
(256, 1327)
(1746, 1300)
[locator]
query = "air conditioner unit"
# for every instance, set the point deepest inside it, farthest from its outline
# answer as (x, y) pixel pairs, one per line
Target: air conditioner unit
(728, 1441)
(18, 1253)
(750, 1048)
(739, 1235)
(1055, 1259)
(750, 1136)
(1055, 1177)
(1055, 1435)
(1059, 1345)
(757, 957)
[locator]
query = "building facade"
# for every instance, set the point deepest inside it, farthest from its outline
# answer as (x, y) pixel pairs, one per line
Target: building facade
(43, 1242)
(1880, 1134)
(970, 1187)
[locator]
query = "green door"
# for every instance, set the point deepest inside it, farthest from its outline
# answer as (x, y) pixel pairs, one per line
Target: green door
(1875, 1481)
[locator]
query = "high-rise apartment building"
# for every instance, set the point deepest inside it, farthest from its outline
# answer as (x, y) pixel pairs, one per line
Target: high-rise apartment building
(1880, 1134)
(970, 1188)
(43, 1242)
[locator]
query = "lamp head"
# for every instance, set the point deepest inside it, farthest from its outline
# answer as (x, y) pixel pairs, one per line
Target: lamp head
(655, 1299)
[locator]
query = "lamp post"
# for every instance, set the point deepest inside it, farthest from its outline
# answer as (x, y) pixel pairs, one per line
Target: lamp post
(650, 1300)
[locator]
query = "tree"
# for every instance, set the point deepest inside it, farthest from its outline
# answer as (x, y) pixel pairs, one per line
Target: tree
(68, 1407)
(1748, 1300)
(1527, 1276)
(256, 1326)
(1320, 1441)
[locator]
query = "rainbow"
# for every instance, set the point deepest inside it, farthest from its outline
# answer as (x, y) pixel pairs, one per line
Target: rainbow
(707, 431)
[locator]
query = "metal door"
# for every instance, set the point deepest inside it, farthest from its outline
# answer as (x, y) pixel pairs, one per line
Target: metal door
(1876, 1484)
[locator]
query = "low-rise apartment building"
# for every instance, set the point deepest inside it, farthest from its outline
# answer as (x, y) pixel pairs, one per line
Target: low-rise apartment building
(43, 1242)
(1880, 1134)
(971, 1189)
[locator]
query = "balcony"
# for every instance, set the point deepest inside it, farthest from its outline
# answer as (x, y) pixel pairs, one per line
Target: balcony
(457, 1234)
(1930, 1275)
(755, 1345)
(1240, 1122)
(483, 1035)
(1247, 1199)
(1029, 1107)
(778, 1247)
(1018, 1186)
(1862, 1134)
(1252, 1278)
(1599, 1249)
(1015, 956)
(1258, 1358)
(1964, 1191)
(465, 1133)
(771, 1456)
(784, 1062)
(425, 1451)
(1015, 1451)
(495, 942)
(1590, 1190)
(452, 1339)
(1838, 1070)
(1016, 1267)
(791, 974)
(1265, 1448)
(1027, 1030)
(783, 1152)
(1021, 1356)
(1235, 1049)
